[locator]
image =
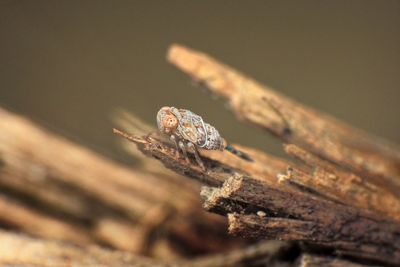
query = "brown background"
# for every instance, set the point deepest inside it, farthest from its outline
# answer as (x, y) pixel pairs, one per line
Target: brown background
(69, 64)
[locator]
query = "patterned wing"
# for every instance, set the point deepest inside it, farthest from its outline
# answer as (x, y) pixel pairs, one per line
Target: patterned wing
(188, 125)
(200, 128)
(194, 129)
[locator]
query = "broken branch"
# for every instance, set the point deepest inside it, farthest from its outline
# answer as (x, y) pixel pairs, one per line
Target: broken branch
(294, 123)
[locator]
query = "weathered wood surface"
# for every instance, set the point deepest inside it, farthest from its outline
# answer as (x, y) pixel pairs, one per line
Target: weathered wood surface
(21, 250)
(260, 209)
(53, 188)
(344, 195)
(341, 185)
(291, 216)
(295, 123)
(268, 253)
(341, 199)
(309, 260)
(39, 223)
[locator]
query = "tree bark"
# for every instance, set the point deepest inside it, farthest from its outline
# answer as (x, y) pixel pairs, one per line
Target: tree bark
(293, 122)
(263, 210)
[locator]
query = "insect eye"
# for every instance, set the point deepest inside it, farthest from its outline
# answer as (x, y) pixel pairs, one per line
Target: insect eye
(170, 122)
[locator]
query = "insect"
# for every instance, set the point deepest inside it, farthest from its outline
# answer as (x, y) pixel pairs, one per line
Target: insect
(188, 131)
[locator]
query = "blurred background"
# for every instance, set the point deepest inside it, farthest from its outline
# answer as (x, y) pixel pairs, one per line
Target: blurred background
(69, 64)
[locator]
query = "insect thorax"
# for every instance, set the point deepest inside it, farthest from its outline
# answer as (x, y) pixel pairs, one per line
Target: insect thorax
(192, 128)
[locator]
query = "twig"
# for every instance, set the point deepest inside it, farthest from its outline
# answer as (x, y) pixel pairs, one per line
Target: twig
(219, 165)
(215, 175)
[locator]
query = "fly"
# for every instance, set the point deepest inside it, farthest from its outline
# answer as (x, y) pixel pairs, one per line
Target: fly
(189, 132)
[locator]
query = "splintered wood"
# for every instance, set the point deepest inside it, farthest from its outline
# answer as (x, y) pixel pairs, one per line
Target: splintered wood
(343, 195)
(337, 204)
(294, 123)
(260, 209)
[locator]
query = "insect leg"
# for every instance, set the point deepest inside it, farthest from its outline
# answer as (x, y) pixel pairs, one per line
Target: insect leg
(193, 148)
(173, 139)
(182, 146)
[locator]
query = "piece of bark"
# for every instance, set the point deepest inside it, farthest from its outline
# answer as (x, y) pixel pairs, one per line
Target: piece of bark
(294, 123)
(260, 211)
(218, 167)
(302, 216)
(216, 172)
(264, 167)
(316, 220)
(309, 260)
(343, 186)
(130, 123)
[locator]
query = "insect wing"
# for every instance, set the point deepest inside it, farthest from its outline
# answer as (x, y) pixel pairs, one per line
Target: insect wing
(190, 133)
(187, 128)
(201, 130)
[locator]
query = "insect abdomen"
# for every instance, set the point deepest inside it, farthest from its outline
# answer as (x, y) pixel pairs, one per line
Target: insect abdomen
(214, 140)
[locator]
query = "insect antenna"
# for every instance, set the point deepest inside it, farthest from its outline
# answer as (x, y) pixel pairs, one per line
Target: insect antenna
(238, 153)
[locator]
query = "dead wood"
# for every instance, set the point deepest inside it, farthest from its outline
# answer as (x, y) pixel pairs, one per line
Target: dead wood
(295, 123)
(130, 123)
(267, 253)
(20, 250)
(216, 172)
(309, 260)
(220, 165)
(341, 185)
(343, 196)
(53, 188)
(14, 213)
(31, 157)
(265, 167)
(261, 209)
